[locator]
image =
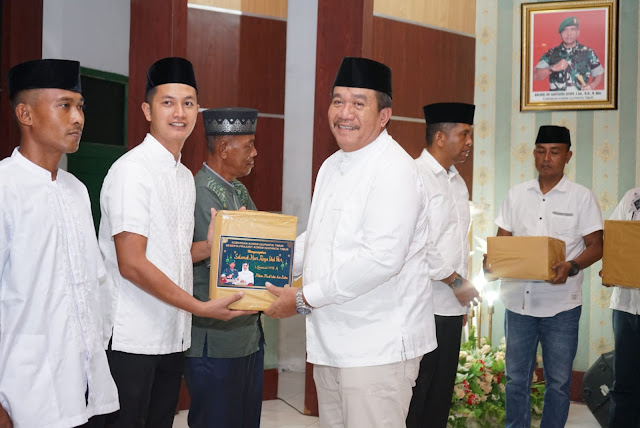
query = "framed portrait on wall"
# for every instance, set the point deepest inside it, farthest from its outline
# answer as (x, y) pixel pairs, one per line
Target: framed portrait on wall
(569, 55)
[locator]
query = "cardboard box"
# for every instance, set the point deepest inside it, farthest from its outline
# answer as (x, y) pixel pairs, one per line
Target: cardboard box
(620, 262)
(249, 249)
(523, 257)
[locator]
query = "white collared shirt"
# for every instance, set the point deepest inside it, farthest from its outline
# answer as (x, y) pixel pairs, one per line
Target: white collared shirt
(50, 326)
(449, 221)
(364, 260)
(149, 193)
(569, 212)
(623, 298)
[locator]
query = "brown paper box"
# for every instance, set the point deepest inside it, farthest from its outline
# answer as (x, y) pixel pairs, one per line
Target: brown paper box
(620, 264)
(261, 240)
(523, 257)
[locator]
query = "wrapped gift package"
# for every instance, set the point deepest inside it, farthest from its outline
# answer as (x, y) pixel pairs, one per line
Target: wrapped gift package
(620, 263)
(249, 249)
(523, 257)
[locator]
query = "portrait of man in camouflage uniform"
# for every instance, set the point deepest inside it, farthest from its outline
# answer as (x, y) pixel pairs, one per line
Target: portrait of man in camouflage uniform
(570, 66)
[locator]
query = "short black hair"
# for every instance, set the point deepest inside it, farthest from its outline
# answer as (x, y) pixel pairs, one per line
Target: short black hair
(434, 128)
(148, 97)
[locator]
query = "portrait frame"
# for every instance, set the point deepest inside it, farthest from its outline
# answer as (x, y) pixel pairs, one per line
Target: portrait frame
(591, 53)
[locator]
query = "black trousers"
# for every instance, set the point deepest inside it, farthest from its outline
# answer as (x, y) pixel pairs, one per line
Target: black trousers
(434, 387)
(148, 386)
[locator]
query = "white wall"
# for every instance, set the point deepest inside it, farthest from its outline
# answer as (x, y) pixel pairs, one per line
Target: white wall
(299, 101)
(94, 32)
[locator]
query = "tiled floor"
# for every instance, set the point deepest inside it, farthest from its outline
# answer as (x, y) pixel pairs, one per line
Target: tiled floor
(279, 414)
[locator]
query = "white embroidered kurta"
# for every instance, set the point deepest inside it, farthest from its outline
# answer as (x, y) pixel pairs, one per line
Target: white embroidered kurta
(569, 212)
(149, 193)
(449, 220)
(51, 349)
(623, 298)
(364, 260)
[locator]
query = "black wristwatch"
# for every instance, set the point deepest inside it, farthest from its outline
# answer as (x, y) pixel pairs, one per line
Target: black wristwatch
(575, 268)
(456, 283)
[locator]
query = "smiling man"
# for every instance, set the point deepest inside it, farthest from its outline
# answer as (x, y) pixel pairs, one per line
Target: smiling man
(570, 66)
(225, 364)
(146, 237)
(549, 312)
(362, 261)
(53, 368)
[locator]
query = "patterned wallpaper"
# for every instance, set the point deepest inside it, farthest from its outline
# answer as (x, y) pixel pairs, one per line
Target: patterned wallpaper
(606, 146)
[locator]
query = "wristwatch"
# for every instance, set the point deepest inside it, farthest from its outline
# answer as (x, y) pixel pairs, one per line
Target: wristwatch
(575, 268)
(456, 283)
(301, 307)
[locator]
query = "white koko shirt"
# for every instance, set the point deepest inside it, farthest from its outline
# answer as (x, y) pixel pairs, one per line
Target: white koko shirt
(449, 220)
(569, 212)
(364, 260)
(149, 193)
(51, 348)
(622, 298)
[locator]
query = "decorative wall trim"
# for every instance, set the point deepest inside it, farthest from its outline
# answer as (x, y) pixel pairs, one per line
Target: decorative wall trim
(407, 119)
(234, 12)
(420, 24)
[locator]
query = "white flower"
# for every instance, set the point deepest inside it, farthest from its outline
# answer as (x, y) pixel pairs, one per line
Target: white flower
(485, 349)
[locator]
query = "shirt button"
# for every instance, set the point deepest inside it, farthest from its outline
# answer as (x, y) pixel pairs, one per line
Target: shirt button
(543, 200)
(527, 292)
(540, 218)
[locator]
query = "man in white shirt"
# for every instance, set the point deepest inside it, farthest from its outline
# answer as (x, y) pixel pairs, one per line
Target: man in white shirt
(449, 141)
(53, 368)
(547, 312)
(625, 303)
(363, 262)
(146, 237)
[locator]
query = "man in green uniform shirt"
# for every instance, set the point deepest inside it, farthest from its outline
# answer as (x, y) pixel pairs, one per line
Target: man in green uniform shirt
(224, 368)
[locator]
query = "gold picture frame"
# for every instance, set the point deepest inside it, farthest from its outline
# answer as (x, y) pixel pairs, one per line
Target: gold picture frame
(569, 55)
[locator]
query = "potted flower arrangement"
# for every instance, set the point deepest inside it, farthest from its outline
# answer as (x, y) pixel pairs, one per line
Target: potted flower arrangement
(479, 392)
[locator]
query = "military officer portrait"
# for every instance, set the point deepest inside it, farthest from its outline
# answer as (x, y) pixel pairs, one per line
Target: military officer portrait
(570, 66)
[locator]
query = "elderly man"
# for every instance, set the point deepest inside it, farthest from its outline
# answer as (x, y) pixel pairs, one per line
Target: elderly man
(146, 237)
(449, 142)
(225, 364)
(53, 368)
(363, 262)
(547, 313)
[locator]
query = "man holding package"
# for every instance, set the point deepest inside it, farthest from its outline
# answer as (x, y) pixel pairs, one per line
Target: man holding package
(146, 237)
(542, 312)
(225, 365)
(363, 262)
(625, 303)
(449, 142)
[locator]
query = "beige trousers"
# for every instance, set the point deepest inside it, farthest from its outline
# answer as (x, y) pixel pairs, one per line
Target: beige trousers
(365, 397)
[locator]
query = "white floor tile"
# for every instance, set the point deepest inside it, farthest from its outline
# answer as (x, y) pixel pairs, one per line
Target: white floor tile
(279, 414)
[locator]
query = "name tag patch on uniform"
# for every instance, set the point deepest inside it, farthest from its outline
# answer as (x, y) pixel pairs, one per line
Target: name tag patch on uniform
(564, 214)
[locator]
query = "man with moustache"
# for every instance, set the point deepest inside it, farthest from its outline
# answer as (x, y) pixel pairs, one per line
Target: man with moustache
(53, 368)
(570, 66)
(225, 365)
(549, 312)
(146, 237)
(449, 142)
(363, 260)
